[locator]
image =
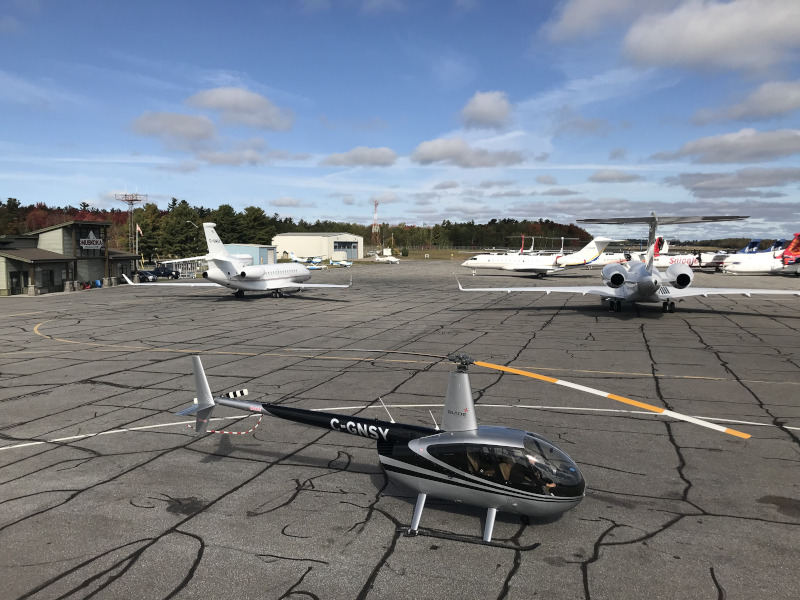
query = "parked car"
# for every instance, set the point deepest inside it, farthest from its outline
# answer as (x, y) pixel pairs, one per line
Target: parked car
(163, 271)
(147, 276)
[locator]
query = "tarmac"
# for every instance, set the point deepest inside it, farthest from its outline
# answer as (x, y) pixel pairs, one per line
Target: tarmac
(105, 493)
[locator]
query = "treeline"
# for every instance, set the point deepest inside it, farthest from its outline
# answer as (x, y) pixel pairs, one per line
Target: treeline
(177, 231)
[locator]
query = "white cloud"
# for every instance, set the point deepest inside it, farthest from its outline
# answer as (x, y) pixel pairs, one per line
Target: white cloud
(559, 192)
(772, 99)
(446, 185)
(738, 184)
(546, 180)
(742, 34)
(485, 185)
(579, 18)
(746, 145)
(487, 109)
(174, 129)
(363, 157)
(617, 153)
(288, 202)
(458, 152)
(385, 198)
(242, 107)
(613, 176)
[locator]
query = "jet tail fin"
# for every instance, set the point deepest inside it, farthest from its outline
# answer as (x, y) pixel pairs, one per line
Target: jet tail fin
(585, 255)
(215, 247)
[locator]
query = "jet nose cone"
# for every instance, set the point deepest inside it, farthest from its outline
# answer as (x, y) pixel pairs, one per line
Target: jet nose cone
(464, 264)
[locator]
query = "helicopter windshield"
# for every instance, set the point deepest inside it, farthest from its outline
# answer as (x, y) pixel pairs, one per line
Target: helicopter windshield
(551, 462)
(524, 469)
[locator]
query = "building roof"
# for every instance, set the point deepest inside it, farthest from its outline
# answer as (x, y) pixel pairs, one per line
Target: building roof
(115, 254)
(318, 234)
(34, 255)
(69, 223)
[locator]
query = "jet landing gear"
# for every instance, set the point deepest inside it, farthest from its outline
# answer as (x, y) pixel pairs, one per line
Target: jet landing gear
(615, 305)
(238, 294)
(668, 306)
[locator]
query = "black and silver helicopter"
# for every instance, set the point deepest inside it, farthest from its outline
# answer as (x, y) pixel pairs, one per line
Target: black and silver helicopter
(496, 468)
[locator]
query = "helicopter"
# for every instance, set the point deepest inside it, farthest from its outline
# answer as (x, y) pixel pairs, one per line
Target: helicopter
(499, 469)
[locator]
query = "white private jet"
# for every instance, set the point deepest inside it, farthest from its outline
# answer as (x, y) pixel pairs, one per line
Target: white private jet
(540, 264)
(773, 260)
(228, 271)
(387, 259)
(640, 281)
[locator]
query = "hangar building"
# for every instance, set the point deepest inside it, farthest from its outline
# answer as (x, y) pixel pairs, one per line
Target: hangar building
(262, 255)
(56, 258)
(327, 245)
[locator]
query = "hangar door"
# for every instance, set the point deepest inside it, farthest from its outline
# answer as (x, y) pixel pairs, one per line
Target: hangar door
(351, 248)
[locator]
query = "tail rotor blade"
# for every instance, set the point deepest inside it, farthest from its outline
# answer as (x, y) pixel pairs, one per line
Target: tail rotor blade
(636, 403)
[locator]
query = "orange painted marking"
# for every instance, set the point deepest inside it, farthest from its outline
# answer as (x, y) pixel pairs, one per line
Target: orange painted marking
(516, 371)
(650, 407)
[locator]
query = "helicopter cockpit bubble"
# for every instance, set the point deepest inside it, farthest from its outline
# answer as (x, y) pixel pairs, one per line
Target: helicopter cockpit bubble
(551, 462)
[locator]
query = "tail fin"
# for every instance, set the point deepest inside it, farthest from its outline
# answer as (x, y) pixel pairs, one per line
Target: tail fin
(215, 247)
(585, 255)
(205, 400)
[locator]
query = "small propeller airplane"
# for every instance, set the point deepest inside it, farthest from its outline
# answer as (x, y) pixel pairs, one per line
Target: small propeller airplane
(539, 264)
(641, 281)
(496, 468)
(392, 260)
(227, 270)
(314, 260)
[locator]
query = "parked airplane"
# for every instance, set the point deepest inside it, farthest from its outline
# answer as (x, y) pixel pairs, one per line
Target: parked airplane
(392, 260)
(340, 263)
(540, 264)
(770, 261)
(305, 259)
(227, 271)
(495, 468)
(639, 281)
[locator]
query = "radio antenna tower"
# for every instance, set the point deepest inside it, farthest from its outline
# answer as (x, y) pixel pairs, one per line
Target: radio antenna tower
(376, 228)
(131, 200)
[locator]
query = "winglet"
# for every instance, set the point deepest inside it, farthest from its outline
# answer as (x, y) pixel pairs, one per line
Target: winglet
(125, 277)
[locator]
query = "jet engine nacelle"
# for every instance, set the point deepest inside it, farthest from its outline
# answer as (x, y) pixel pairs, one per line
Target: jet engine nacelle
(214, 275)
(252, 272)
(614, 275)
(680, 275)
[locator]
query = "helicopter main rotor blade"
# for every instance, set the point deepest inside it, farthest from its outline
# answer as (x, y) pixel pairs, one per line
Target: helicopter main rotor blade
(583, 388)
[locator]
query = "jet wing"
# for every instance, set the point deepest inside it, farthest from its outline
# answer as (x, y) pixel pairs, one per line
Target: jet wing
(531, 268)
(198, 284)
(181, 260)
(602, 290)
(705, 292)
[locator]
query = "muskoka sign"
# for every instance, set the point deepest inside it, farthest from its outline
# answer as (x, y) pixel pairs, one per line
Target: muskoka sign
(91, 242)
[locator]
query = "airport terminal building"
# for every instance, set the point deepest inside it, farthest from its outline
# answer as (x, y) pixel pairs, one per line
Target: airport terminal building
(63, 257)
(337, 246)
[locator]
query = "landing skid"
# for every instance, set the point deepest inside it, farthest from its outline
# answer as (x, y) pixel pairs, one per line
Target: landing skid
(467, 539)
(413, 529)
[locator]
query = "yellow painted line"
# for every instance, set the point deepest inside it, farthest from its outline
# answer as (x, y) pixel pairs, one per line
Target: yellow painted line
(405, 361)
(36, 312)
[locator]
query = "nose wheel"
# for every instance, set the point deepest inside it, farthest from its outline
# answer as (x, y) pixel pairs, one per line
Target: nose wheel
(615, 305)
(668, 306)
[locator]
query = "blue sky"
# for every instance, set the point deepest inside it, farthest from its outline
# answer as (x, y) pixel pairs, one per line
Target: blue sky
(447, 109)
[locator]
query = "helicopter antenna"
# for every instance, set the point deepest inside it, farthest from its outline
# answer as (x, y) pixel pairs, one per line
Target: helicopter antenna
(462, 361)
(434, 420)
(386, 409)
